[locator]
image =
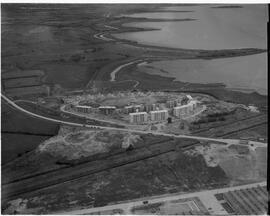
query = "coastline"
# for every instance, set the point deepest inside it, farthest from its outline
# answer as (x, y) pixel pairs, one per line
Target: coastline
(179, 53)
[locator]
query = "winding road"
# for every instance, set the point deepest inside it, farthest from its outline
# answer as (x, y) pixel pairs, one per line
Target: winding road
(116, 70)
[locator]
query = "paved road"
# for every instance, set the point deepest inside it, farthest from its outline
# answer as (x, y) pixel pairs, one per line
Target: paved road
(207, 197)
(228, 141)
(111, 27)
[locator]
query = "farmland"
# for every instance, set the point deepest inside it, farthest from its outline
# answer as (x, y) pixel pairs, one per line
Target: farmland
(164, 173)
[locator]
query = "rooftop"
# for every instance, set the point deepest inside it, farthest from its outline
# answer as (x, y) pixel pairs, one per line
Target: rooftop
(138, 113)
(158, 111)
(83, 106)
(107, 107)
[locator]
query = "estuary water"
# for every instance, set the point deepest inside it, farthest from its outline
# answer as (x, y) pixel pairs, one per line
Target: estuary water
(246, 73)
(212, 29)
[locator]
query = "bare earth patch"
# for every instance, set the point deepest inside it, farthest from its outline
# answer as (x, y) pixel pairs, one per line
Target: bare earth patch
(239, 163)
(73, 145)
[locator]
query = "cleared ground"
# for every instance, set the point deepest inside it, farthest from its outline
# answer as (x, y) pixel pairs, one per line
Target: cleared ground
(240, 163)
(156, 165)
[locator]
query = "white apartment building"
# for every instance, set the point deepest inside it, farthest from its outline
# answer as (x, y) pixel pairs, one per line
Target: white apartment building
(159, 115)
(83, 109)
(138, 117)
(185, 109)
(133, 108)
(107, 109)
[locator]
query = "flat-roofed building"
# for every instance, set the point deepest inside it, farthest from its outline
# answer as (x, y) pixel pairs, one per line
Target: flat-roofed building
(150, 107)
(170, 104)
(173, 103)
(107, 109)
(138, 117)
(159, 115)
(183, 110)
(189, 97)
(177, 111)
(193, 103)
(134, 108)
(128, 109)
(83, 109)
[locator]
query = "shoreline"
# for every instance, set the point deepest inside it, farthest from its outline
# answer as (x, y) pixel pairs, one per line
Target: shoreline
(175, 53)
(228, 86)
(118, 27)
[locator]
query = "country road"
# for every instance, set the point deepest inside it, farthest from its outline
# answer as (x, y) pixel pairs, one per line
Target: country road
(110, 27)
(116, 70)
(228, 141)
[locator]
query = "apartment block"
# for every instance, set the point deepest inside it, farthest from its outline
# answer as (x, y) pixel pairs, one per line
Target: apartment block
(138, 117)
(83, 109)
(107, 109)
(159, 115)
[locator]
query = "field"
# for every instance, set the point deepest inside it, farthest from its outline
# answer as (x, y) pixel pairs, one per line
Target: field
(155, 166)
(254, 132)
(15, 83)
(21, 133)
(153, 176)
(231, 127)
(240, 163)
(24, 82)
(29, 90)
(15, 145)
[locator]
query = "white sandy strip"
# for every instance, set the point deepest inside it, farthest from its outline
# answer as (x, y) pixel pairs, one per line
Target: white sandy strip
(113, 73)
(111, 27)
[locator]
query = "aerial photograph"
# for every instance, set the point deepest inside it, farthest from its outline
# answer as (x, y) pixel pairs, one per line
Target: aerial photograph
(134, 109)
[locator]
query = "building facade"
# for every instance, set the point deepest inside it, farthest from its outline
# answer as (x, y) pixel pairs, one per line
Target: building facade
(138, 117)
(83, 109)
(107, 110)
(159, 115)
(134, 108)
(150, 107)
(170, 104)
(183, 110)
